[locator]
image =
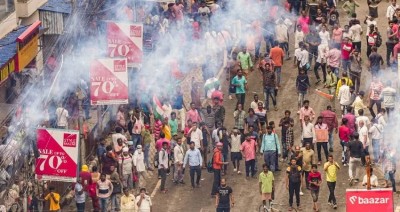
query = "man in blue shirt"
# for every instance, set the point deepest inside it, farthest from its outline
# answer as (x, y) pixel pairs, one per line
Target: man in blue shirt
(270, 144)
(193, 155)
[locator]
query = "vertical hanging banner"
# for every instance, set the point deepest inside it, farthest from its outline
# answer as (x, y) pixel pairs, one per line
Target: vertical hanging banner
(109, 81)
(59, 151)
(125, 40)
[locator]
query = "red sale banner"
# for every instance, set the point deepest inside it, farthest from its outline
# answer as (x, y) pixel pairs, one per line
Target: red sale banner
(125, 40)
(108, 81)
(359, 200)
(58, 160)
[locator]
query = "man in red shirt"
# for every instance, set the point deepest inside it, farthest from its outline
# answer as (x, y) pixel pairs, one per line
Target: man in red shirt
(329, 118)
(347, 48)
(217, 166)
(344, 136)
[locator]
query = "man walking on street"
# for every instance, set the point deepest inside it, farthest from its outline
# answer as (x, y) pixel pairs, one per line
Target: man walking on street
(331, 168)
(240, 83)
(270, 84)
(329, 118)
(224, 199)
(217, 167)
(249, 149)
(269, 146)
(163, 166)
(356, 152)
(266, 182)
(178, 162)
(277, 54)
(194, 159)
(293, 182)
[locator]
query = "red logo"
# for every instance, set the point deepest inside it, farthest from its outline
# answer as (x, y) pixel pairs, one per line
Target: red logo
(358, 200)
(70, 140)
(119, 66)
(136, 31)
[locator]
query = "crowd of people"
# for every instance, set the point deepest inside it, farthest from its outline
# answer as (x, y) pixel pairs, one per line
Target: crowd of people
(190, 139)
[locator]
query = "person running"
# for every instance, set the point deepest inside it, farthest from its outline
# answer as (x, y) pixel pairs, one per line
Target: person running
(331, 168)
(266, 184)
(293, 182)
(224, 199)
(315, 180)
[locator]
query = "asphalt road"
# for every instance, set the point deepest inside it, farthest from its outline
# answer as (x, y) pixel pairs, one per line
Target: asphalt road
(183, 198)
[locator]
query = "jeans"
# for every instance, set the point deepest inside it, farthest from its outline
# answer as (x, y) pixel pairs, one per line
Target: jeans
(136, 138)
(389, 51)
(389, 110)
(330, 139)
(294, 188)
(357, 45)
(278, 71)
(217, 181)
(115, 203)
(163, 174)
(371, 105)
(346, 65)
(306, 173)
(345, 152)
(146, 155)
(332, 198)
(313, 53)
(300, 98)
(195, 170)
(376, 149)
(324, 145)
(270, 92)
(335, 70)
(356, 77)
(323, 67)
(354, 166)
(178, 175)
(103, 204)
(127, 180)
(365, 154)
(80, 207)
(95, 203)
(392, 180)
(240, 98)
(269, 159)
(223, 210)
(250, 164)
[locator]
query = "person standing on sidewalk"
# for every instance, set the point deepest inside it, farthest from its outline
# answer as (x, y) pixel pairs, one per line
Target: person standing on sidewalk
(331, 168)
(270, 145)
(178, 160)
(194, 159)
(224, 199)
(163, 165)
(293, 182)
(249, 149)
(128, 202)
(144, 201)
(217, 163)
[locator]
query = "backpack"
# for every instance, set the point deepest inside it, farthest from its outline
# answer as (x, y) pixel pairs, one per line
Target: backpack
(294, 175)
(378, 41)
(210, 162)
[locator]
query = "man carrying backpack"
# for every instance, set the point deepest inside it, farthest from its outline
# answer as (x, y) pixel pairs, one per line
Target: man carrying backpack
(193, 157)
(293, 182)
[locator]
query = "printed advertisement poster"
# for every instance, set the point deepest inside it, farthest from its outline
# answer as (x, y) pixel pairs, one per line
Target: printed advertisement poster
(358, 200)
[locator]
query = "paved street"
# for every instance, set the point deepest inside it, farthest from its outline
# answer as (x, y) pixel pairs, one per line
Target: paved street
(247, 198)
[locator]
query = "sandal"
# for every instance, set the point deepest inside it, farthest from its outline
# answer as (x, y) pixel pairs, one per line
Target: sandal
(290, 209)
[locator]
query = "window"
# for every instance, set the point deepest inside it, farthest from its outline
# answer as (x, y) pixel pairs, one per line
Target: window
(6, 7)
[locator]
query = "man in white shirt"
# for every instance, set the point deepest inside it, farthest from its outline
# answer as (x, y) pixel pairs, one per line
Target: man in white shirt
(118, 134)
(196, 136)
(254, 104)
(163, 165)
(388, 95)
(178, 162)
(363, 132)
(373, 179)
(376, 137)
(138, 162)
(281, 32)
(362, 118)
(236, 155)
(308, 132)
(369, 20)
(344, 96)
(390, 11)
(321, 61)
(324, 35)
(62, 117)
(304, 58)
(356, 32)
(144, 201)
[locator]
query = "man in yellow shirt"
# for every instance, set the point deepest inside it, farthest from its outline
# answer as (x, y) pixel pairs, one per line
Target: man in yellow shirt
(358, 103)
(266, 182)
(339, 84)
(54, 200)
(128, 202)
(331, 168)
(166, 129)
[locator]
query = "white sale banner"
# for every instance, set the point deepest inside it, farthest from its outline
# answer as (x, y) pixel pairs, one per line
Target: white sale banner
(125, 40)
(109, 81)
(59, 151)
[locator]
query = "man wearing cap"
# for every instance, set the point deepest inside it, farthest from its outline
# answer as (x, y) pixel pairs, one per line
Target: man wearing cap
(163, 165)
(125, 162)
(194, 159)
(139, 166)
(217, 167)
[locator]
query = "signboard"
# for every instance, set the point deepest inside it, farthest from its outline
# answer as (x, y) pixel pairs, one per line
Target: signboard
(6, 70)
(28, 43)
(108, 81)
(58, 160)
(125, 40)
(359, 200)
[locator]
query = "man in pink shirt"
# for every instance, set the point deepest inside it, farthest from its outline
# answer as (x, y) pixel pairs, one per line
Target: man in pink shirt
(375, 91)
(304, 21)
(160, 142)
(306, 110)
(337, 33)
(193, 114)
(249, 149)
(333, 59)
(351, 120)
(219, 95)
(329, 118)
